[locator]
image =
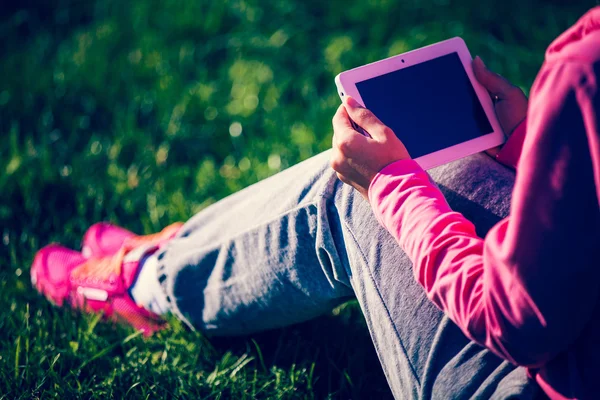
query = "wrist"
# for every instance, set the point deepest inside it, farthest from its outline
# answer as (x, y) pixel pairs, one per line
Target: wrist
(510, 152)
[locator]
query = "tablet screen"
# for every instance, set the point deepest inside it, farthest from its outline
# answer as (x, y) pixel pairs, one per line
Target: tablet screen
(430, 106)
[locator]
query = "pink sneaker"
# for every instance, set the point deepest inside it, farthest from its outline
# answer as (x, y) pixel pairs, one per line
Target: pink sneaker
(96, 284)
(105, 239)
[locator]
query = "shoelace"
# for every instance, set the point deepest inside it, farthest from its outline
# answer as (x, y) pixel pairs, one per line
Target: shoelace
(110, 267)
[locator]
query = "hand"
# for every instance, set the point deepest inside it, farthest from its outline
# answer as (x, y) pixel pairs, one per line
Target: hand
(510, 102)
(357, 158)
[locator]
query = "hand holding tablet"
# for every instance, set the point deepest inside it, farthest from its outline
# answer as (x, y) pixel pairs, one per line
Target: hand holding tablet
(358, 158)
(430, 99)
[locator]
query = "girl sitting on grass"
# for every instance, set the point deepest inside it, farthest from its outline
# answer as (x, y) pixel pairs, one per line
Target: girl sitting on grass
(516, 314)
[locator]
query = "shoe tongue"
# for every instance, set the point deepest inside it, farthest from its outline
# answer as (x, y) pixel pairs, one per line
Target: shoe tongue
(131, 262)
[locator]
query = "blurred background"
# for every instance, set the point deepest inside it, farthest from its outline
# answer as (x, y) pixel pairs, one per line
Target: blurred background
(144, 112)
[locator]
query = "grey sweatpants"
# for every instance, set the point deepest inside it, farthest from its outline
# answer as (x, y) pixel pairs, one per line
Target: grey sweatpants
(293, 246)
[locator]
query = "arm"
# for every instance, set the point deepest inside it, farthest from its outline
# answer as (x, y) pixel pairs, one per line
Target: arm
(529, 288)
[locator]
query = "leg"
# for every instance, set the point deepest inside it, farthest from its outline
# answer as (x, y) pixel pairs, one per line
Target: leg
(291, 247)
(261, 258)
(424, 355)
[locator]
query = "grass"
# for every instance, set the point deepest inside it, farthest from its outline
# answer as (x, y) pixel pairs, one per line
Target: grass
(144, 112)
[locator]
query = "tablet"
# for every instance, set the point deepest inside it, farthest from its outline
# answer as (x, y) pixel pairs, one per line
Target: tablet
(431, 100)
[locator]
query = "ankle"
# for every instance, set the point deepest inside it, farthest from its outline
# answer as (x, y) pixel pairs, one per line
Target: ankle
(146, 290)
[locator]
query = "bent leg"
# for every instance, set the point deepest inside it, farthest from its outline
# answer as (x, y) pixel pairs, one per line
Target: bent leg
(423, 353)
(261, 258)
(293, 246)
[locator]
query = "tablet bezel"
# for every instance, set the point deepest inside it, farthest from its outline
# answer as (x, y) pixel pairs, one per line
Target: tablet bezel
(346, 85)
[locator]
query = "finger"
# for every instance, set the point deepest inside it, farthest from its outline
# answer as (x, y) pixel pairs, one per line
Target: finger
(365, 119)
(341, 125)
(338, 161)
(345, 138)
(341, 120)
(494, 83)
(349, 142)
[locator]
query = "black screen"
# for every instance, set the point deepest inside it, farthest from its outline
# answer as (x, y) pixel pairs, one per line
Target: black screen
(430, 106)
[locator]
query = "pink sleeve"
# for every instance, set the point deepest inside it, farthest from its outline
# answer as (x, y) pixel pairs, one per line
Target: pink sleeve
(527, 290)
(511, 151)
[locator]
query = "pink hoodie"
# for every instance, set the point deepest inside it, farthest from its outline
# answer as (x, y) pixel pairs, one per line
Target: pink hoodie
(530, 290)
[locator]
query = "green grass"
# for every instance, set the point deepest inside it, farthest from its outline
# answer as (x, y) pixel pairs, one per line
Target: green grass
(122, 111)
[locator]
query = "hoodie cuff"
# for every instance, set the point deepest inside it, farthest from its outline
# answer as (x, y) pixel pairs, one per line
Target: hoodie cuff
(383, 182)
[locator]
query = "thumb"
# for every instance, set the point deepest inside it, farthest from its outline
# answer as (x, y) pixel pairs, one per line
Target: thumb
(494, 83)
(364, 118)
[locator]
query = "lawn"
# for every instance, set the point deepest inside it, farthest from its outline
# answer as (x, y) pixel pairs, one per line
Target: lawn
(143, 112)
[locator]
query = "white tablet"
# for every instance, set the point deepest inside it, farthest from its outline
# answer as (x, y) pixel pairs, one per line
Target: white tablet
(430, 98)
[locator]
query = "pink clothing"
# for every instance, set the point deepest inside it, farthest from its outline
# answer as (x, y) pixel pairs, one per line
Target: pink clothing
(511, 151)
(530, 290)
